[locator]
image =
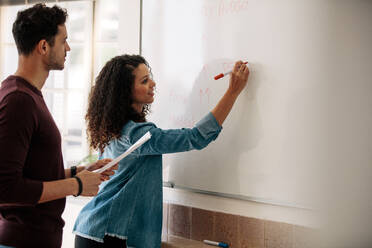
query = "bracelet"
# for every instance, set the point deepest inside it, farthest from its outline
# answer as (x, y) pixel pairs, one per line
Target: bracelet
(80, 185)
(73, 170)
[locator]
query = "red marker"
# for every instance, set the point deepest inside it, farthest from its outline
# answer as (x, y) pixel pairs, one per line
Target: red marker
(221, 75)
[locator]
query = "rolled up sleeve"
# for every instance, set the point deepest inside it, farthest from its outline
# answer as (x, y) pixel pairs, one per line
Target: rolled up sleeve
(208, 127)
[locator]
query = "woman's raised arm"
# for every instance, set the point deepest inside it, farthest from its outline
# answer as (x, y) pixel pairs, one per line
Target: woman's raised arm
(238, 80)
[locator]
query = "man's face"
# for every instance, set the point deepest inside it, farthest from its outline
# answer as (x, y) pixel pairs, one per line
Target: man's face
(57, 55)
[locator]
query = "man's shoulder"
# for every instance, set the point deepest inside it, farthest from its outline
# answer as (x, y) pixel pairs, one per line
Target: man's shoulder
(14, 86)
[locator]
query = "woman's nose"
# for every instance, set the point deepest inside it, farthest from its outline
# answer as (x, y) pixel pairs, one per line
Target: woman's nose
(67, 46)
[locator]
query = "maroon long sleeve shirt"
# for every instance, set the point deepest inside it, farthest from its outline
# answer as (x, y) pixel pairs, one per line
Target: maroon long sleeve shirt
(30, 153)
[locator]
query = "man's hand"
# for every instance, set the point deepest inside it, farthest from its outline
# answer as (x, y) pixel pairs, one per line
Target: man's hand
(101, 163)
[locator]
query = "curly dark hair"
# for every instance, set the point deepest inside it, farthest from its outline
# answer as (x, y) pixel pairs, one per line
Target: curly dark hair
(35, 24)
(110, 100)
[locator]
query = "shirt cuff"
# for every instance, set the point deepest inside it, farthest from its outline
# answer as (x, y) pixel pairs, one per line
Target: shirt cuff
(208, 126)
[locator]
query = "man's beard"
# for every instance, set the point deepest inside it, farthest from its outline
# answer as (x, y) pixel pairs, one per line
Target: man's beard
(53, 64)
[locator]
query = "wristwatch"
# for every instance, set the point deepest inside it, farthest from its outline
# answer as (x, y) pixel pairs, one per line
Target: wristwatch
(73, 170)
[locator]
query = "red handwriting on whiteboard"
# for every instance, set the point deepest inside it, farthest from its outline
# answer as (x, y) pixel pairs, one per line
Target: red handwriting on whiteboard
(205, 68)
(209, 10)
(204, 95)
(225, 7)
(232, 7)
(205, 71)
(176, 97)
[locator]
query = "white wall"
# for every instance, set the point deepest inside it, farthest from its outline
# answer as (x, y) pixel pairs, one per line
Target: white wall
(129, 26)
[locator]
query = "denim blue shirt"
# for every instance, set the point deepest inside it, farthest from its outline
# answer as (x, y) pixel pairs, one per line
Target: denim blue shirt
(129, 205)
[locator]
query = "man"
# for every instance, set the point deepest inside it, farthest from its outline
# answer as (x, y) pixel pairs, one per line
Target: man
(33, 182)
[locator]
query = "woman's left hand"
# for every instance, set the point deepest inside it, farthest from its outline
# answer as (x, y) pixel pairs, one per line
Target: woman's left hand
(105, 175)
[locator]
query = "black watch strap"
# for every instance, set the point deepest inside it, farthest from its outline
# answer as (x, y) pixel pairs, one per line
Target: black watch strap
(73, 170)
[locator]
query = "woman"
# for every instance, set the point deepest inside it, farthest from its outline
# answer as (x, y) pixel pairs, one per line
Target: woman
(128, 208)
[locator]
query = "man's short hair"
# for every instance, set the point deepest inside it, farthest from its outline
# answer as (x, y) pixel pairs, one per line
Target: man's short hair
(35, 24)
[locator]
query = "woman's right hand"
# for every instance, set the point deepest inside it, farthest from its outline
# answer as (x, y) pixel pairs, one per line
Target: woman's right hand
(90, 181)
(238, 78)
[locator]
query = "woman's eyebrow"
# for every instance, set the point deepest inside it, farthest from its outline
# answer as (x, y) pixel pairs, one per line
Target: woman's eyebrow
(144, 77)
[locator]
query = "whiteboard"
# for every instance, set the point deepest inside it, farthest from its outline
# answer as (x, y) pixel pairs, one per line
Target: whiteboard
(273, 144)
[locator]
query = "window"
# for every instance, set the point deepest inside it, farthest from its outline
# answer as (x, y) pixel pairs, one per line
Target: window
(106, 32)
(66, 92)
(9, 55)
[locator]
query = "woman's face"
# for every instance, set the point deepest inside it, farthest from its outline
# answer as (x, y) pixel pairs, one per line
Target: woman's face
(143, 90)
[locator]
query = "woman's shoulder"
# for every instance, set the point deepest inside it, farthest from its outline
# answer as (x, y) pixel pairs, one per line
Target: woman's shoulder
(131, 126)
(132, 131)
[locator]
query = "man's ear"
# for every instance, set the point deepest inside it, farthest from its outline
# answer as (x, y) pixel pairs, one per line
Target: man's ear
(42, 47)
